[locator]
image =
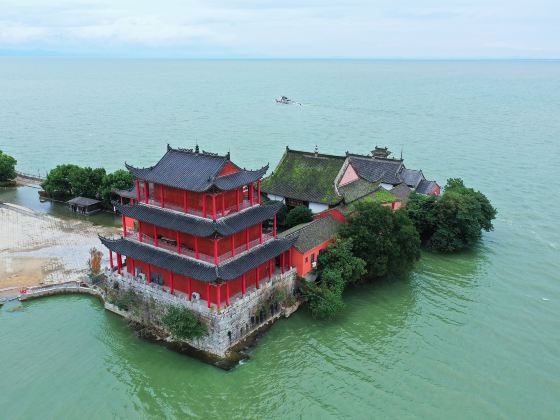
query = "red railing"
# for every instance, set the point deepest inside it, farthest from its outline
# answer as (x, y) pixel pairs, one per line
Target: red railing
(164, 244)
(227, 211)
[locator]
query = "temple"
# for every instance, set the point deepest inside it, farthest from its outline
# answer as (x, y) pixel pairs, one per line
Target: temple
(194, 227)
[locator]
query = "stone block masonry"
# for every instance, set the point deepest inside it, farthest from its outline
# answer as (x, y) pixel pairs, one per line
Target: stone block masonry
(227, 327)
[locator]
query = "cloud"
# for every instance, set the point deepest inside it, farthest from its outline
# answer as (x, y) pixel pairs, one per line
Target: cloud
(14, 33)
(288, 28)
(145, 31)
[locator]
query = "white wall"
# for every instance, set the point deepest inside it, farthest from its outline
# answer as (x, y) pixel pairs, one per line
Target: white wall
(318, 207)
(276, 198)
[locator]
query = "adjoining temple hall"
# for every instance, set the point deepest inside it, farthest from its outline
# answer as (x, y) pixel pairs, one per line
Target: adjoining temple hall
(203, 235)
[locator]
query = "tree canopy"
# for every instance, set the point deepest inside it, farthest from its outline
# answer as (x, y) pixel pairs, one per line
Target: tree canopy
(58, 180)
(338, 268)
(120, 180)
(386, 240)
(71, 180)
(454, 221)
(298, 215)
(7, 167)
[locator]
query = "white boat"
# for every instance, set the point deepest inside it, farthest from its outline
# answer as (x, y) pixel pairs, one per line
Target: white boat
(284, 100)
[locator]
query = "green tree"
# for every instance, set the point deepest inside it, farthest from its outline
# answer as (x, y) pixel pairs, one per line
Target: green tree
(461, 214)
(339, 257)
(298, 215)
(182, 323)
(58, 180)
(7, 167)
(454, 221)
(86, 182)
(120, 180)
(421, 210)
(386, 240)
(324, 302)
(338, 268)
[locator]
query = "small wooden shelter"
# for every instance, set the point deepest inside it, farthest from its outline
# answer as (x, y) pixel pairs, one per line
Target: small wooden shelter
(84, 205)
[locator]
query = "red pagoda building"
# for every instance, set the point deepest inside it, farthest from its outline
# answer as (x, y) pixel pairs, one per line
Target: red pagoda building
(194, 225)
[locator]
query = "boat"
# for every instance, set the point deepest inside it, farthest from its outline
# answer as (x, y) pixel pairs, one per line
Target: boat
(284, 100)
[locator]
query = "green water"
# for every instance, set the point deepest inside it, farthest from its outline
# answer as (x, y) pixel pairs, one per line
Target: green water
(473, 335)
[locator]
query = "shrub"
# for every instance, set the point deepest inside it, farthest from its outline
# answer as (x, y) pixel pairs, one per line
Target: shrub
(7, 167)
(182, 323)
(298, 215)
(127, 300)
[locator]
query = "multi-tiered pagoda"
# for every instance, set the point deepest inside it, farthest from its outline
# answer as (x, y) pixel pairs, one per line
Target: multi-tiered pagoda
(193, 224)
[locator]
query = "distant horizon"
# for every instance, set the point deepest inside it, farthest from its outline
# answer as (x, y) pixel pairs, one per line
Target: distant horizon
(287, 29)
(287, 58)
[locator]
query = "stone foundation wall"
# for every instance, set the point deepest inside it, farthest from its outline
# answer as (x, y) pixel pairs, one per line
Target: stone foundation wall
(226, 327)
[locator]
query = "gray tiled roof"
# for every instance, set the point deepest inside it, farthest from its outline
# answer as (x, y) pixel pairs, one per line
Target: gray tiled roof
(194, 171)
(312, 234)
(83, 201)
(357, 189)
(402, 192)
(384, 170)
(411, 177)
(198, 226)
(200, 270)
(425, 187)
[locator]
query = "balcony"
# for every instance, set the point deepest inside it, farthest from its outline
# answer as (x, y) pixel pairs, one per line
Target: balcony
(245, 204)
(171, 246)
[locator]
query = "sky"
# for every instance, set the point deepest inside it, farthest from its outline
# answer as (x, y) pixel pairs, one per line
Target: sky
(282, 29)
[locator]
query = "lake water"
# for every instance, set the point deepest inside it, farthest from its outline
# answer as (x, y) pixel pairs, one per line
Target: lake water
(473, 335)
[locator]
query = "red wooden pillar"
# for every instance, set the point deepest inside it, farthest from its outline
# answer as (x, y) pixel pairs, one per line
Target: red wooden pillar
(233, 245)
(214, 206)
(178, 243)
(111, 260)
(162, 192)
(270, 269)
(124, 226)
(274, 227)
(237, 201)
(139, 230)
(257, 278)
(155, 236)
(251, 194)
(223, 204)
(146, 192)
(196, 253)
(186, 201)
(204, 205)
(208, 297)
(215, 252)
(283, 261)
(259, 191)
(131, 265)
(260, 234)
(149, 273)
(119, 263)
(243, 284)
(227, 294)
(246, 239)
(189, 287)
(171, 282)
(290, 258)
(218, 295)
(138, 189)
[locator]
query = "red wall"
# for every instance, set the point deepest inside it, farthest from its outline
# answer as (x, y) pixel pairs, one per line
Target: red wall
(298, 258)
(331, 212)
